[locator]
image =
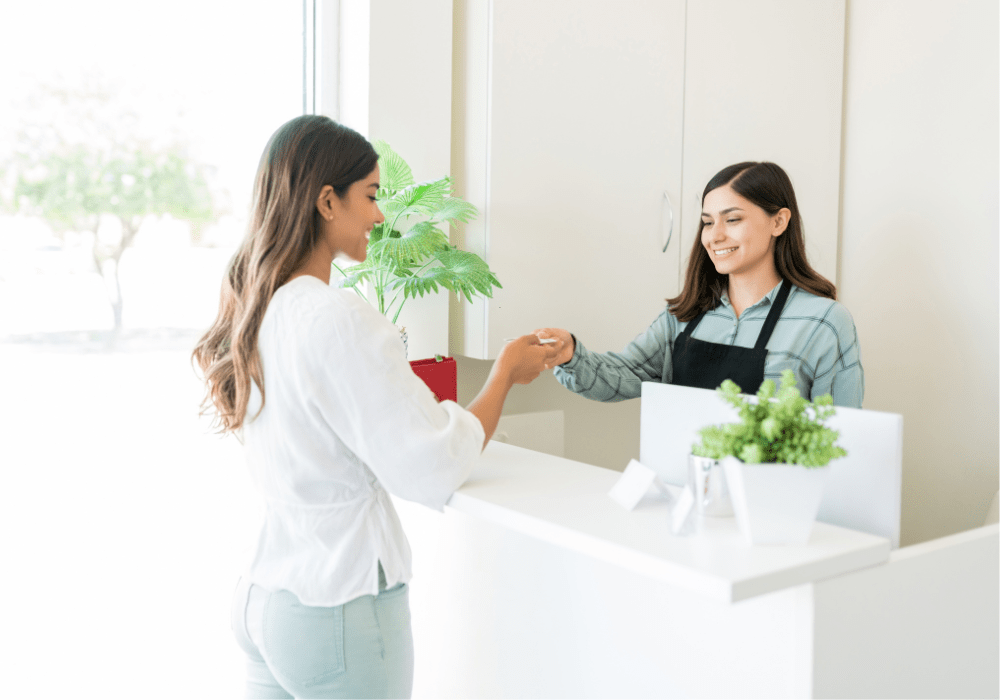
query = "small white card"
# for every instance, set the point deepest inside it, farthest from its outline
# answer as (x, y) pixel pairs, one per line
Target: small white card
(634, 483)
(681, 520)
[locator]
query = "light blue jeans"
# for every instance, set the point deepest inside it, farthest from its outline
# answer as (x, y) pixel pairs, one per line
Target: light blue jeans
(361, 649)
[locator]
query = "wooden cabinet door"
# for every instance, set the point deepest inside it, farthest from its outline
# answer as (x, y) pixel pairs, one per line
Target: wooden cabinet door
(567, 132)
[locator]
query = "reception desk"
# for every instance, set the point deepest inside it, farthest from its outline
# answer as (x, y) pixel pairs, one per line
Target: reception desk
(535, 583)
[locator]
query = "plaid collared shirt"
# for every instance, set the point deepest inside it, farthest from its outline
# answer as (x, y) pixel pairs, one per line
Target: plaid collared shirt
(815, 337)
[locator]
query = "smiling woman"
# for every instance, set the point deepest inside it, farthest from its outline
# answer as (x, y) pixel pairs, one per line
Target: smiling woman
(346, 224)
(322, 610)
(758, 307)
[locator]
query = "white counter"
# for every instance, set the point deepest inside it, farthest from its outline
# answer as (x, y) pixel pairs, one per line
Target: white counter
(566, 503)
(535, 583)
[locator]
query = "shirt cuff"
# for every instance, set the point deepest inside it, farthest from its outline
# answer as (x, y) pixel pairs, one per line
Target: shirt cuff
(573, 361)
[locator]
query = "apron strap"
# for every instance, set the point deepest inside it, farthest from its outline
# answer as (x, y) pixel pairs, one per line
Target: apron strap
(689, 328)
(772, 316)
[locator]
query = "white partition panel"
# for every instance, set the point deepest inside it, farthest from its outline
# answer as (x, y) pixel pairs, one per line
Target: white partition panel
(669, 422)
(924, 625)
(864, 490)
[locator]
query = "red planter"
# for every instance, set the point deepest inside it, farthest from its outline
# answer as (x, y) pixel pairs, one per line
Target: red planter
(441, 377)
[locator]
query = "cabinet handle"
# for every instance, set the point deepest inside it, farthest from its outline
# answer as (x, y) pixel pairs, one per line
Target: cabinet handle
(670, 233)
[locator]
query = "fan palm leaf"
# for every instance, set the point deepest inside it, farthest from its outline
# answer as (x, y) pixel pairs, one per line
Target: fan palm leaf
(470, 275)
(420, 198)
(454, 209)
(414, 246)
(394, 173)
(417, 260)
(459, 271)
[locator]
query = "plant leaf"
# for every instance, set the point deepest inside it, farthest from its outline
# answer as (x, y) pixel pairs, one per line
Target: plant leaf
(414, 286)
(468, 274)
(459, 271)
(454, 209)
(421, 198)
(394, 173)
(420, 242)
(377, 233)
(356, 275)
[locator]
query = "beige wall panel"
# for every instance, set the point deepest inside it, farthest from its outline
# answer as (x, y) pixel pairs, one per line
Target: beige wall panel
(764, 83)
(920, 243)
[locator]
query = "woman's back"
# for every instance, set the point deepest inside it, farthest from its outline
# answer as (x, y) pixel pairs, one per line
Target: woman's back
(293, 453)
(345, 420)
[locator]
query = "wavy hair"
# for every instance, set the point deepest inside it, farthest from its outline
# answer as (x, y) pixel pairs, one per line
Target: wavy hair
(767, 186)
(304, 155)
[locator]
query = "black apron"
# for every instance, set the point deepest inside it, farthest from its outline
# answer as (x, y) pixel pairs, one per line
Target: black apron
(705, 365)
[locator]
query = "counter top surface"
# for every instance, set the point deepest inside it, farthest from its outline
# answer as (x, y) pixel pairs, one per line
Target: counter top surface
(566, 503)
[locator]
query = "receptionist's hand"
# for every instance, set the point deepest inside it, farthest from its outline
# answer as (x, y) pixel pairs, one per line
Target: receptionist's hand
(568, 346)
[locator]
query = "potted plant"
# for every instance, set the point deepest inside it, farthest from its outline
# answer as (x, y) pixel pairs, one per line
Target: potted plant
(776, 459)
(409, 254)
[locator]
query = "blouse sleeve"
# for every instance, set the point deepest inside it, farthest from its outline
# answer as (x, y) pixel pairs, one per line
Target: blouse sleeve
(617, 376)
(359, 383)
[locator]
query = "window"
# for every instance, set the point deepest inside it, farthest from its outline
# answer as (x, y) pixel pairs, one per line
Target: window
(129, 139)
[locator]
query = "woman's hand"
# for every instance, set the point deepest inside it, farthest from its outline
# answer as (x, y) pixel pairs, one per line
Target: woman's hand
(520, 361)
(566, 345)
(524, 358)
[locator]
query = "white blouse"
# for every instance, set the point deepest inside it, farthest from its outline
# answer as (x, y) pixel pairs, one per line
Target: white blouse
(345, 419)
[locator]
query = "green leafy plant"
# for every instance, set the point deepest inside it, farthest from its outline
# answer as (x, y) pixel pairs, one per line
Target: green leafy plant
(780, 428)
(409, 254)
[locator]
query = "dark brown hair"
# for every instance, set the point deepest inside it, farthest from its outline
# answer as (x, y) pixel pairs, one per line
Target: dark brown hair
(767, 186)
(303, 156)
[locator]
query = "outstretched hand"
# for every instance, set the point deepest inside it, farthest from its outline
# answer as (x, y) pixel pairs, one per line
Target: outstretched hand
(566, 345)
(524, 358)
(520, 361)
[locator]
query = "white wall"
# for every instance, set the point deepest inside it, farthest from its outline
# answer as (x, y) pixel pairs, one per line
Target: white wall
(602, 434)
(606, 435)
(396, 86)
(919, 243)
(918, 256)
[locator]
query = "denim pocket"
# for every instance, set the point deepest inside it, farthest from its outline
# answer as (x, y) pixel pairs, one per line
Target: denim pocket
(238, 620)
(303, 643)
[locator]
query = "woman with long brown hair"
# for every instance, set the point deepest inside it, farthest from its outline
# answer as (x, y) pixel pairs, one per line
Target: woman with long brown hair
(333, 419)
(752, 306)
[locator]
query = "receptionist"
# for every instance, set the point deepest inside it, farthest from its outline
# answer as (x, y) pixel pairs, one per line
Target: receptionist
(751, 307)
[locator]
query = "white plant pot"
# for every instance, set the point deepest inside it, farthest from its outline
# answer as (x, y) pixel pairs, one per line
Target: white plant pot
(775, 503)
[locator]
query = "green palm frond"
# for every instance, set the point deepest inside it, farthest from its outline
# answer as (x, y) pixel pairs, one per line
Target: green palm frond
(466, 274)
(418, 286)
(410, 261)
(416, 245)
(421, 198)
(377, 233)
(454, 209)
(394, 173)
(458, 271)
(356, 275)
